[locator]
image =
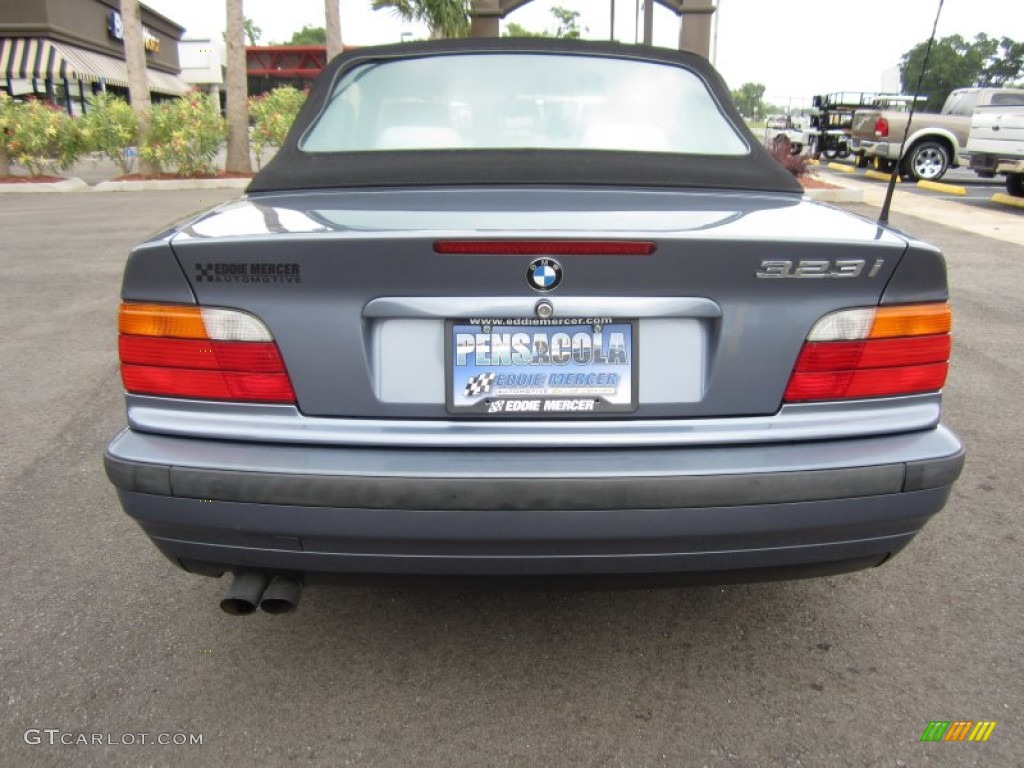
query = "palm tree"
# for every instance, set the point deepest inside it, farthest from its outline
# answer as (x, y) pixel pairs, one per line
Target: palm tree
(138, 84)
(445, 18)
(237, 92)
(332, 17)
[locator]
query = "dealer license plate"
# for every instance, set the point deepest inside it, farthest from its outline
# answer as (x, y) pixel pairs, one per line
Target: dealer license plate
(538, 368)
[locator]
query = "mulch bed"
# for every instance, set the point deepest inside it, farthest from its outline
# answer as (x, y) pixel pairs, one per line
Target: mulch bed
(809, 182)
(176, 177)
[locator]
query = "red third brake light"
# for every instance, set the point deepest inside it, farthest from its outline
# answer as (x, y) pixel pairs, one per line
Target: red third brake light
(546, 247)
(873, 352)
(200, 352)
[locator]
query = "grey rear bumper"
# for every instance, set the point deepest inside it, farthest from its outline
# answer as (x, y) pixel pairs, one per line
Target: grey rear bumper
(214, 506)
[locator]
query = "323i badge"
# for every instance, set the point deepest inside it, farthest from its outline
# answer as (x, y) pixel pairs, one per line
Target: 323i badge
(527, 367)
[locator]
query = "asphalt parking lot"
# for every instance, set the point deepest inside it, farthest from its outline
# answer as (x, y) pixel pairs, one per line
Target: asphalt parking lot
(100, 635)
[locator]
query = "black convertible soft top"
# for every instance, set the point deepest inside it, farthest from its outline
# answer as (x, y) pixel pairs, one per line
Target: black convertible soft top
(293, 169)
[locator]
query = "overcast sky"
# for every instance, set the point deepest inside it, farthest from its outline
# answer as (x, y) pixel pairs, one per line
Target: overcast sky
(796, 48)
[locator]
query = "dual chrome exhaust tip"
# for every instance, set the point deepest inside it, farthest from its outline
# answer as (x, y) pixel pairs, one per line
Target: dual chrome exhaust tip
(250, 590)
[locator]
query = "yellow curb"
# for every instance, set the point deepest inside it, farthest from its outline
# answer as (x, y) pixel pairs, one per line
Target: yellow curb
(880, 176)
(938, 186)
(841, 167)
(1005, 199)
(812, 161)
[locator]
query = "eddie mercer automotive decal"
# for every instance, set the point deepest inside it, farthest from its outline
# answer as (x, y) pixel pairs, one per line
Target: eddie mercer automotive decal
(257, 272)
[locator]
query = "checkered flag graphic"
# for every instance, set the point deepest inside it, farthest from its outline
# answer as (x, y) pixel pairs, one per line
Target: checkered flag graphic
(204, 271)
(479, 384)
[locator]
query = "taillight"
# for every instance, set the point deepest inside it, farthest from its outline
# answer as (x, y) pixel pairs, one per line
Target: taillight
(200, 352)
(873, 352)
(881, 128)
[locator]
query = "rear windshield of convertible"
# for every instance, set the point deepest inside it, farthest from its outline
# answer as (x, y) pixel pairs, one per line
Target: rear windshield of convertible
(522, 101)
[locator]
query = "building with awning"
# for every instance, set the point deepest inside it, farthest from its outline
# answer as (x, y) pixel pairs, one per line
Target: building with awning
(65, 50)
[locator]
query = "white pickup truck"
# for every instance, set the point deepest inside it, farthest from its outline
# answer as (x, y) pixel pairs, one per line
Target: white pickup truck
(996, 144)
(787, 129)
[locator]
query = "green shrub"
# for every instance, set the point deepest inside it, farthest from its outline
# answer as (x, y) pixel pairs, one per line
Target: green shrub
(110, 126)
(185, 134)
(6, 115)
(41, 137)
(271, 115)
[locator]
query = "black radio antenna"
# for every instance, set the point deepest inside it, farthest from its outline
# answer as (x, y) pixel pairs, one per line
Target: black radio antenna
(883, 217)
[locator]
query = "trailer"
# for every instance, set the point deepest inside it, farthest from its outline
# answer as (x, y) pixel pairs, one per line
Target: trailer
(832, 121)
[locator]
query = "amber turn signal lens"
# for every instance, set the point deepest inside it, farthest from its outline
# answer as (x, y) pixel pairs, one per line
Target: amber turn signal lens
(911, 320)
(161, 320)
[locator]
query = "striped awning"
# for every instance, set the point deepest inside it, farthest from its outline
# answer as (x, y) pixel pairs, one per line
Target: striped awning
(162, 82)
(24, 58)
(93, 67)
(42, 59)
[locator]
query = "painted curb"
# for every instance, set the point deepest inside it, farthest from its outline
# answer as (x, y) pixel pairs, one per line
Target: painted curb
(879, 176)
(1004, 199)
(170, 184)
(938, 186)
(68, 185)
(841, 167)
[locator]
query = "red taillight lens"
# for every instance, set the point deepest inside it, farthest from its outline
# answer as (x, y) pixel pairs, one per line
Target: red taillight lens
(193, 352)
(208, 385)
(877, 353)
(872, 382)
(255, 357)
(873, 352)
(881, 128)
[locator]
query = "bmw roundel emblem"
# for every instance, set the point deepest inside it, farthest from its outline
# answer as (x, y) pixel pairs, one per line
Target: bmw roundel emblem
(544, 274)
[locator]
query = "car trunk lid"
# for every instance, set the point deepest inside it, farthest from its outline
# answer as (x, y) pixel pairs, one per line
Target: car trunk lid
(367, 312)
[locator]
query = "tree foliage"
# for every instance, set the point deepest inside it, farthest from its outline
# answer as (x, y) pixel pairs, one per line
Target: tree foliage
(445, 18)
(568, 23)
(567, 26)
(749, 99)
(186, 133)
(958, 63)
(7, 106)
(518, 30)
(110, 126)
(308, 35)
(40, 136)
(272, 114)
(252, 32)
